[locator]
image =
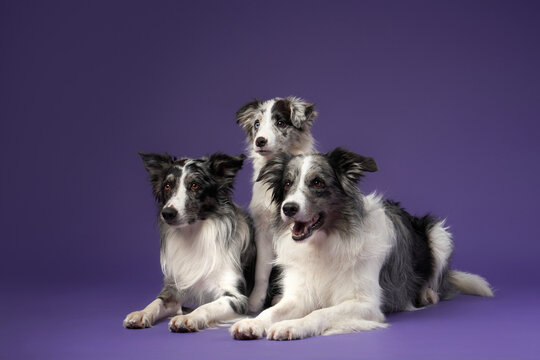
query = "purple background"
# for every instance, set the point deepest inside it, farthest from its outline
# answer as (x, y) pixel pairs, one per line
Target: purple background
(444, 95)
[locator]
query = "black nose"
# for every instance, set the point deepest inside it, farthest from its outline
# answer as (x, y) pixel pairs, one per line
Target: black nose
(260, 142)
(290, 209)
(169, 214)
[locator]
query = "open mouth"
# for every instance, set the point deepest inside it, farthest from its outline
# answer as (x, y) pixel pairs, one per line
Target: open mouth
(303, 230)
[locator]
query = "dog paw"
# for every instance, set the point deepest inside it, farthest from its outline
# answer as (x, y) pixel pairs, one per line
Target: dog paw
(429, 297)
(247, 329)
(137, 320)
(187, 323)
(286, 330)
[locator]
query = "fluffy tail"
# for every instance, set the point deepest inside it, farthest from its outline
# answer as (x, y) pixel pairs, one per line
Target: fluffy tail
(471, 284)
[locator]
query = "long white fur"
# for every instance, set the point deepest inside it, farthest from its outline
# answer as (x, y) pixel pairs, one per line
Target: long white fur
(201, 281)
(192, 257)
(471, 284)
(200, 261)
(331, 284)
(261, 207)
(441, 246)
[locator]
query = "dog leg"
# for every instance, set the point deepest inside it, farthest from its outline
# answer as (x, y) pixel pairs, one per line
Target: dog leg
(347, 317)
(263, 268)
(156, 310)
(250, 329)
(441, 247)
(225, 308)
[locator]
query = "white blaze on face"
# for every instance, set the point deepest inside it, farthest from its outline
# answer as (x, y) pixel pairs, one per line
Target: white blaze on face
(266, 128)
(298, 195)
(178, 199)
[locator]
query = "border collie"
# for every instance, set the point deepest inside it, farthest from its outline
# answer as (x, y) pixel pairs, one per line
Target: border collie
(348, 258)
(207, 244)
(272, 126)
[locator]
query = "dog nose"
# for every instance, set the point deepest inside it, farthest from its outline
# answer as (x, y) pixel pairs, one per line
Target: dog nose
(169, 214)
(260, 142)
(290, 209)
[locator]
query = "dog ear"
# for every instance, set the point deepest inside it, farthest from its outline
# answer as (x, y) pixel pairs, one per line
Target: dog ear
(157, 165)
(350, 167)
(302, 113)
(226, 166)
(272, 174)
(246, 113)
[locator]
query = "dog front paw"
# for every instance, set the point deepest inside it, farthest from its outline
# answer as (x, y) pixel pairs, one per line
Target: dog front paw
(287, 330)
(137, 320)
(247, 329)
(187, 323)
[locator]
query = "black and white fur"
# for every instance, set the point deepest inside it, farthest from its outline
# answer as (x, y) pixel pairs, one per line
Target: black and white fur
(272, 126)
(207, 245)
(348, 258)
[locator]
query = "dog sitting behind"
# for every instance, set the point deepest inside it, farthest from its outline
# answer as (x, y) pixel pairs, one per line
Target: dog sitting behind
(207, 246)
(348, 258)
(272, 126)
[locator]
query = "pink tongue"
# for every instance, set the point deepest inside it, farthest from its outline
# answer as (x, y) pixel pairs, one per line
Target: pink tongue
(299, 228)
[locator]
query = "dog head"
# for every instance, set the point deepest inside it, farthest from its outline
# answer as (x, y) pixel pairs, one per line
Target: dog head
(188, 190)
(279, 124)
(315, 192)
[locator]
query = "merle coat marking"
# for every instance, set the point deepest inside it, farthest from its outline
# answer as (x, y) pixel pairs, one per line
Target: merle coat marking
(348, 258)
(271, 126)
(207, 245)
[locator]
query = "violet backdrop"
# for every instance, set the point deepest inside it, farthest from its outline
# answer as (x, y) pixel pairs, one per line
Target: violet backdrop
(444, 95)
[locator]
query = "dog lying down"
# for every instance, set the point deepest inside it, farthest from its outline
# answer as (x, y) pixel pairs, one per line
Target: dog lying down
(207, 243)
(348, 258)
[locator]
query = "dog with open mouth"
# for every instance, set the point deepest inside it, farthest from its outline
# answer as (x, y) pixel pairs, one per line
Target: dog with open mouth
(348, 258)
(207, 243)
(272, 126)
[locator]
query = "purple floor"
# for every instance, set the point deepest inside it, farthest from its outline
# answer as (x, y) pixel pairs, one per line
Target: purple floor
(86, 323)
(444, 95)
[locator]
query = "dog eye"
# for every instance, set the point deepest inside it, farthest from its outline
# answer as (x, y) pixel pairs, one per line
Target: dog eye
(318, 183)
(281, 123)
(194, 186)
(287, 185)
(167, 187)
(256, 125)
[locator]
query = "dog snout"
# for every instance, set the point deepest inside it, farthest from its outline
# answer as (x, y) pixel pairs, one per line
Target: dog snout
(169, 214)
(290, 209)
(260, 141)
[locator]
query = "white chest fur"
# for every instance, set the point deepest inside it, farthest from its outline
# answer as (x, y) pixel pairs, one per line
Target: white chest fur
(197, 261)
(326, 269)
